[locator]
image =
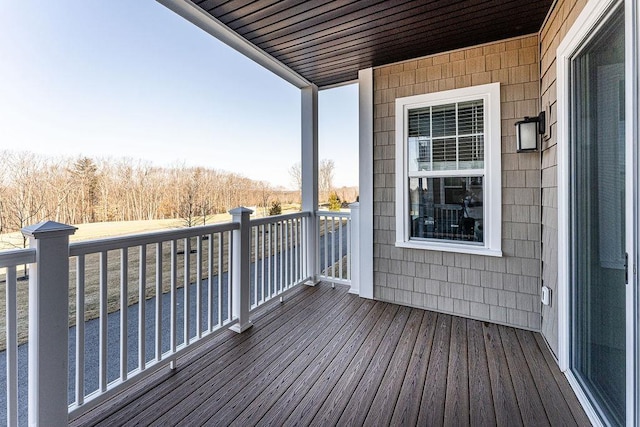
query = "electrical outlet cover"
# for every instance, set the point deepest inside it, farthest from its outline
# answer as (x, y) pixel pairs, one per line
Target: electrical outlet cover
(545, 297)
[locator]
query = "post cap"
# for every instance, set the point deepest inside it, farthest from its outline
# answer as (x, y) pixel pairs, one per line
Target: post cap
(354, 205)
(48, 229)
(240, 210)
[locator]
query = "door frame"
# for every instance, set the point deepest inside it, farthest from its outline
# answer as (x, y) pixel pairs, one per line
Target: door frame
(581, 30)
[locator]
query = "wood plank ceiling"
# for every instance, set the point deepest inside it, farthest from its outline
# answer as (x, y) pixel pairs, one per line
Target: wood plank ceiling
(327, 42)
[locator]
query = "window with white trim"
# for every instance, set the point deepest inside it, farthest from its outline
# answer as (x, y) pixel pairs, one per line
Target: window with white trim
(448, 171)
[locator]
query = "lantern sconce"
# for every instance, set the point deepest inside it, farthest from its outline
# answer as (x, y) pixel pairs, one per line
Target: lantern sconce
(527, 131)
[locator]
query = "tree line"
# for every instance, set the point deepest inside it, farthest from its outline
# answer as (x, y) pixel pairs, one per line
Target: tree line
(83, 190)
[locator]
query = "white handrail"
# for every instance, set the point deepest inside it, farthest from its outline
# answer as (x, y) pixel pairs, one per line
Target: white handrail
(333, 214)
(16, 257)
(113, 243)
(276, 218)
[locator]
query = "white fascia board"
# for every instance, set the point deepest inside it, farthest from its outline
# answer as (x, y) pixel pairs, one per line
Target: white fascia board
(211, 25)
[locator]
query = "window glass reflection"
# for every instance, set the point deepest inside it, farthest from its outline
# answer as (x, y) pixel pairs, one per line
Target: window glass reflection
(449, 208)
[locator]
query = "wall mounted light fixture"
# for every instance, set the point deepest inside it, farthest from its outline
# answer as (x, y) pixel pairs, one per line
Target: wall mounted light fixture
(528, 131)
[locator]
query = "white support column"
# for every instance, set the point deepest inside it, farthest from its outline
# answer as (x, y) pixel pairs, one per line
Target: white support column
(49, 323)
(365, 101)
(354, 250)
(310, 175)
(241, 273)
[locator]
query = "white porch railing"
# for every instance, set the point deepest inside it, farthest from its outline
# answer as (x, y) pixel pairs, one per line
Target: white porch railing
(187, 274)
(138, 302)
(334, 252)
(278, 255)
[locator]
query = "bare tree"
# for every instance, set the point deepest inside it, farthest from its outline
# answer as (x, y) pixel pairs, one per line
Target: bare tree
(207, 201)
(60, 184)
(25, 201)
(191, 204)
(86, 181)
(326, 168)
(265, 192)
(3, 193)
(295, 172)
(325, 178)
(205, 210)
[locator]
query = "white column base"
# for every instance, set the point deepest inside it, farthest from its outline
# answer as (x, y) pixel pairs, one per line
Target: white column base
(241, 328)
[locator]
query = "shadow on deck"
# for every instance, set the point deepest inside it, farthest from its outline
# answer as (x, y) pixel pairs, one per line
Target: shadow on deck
(326, 357)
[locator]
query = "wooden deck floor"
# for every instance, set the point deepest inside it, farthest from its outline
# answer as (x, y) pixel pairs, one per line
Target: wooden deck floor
(325, 357)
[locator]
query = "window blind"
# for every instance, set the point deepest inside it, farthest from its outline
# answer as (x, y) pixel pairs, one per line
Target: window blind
(449, 136)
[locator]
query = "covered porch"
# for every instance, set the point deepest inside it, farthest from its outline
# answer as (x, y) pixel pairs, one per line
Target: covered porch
(254, 322)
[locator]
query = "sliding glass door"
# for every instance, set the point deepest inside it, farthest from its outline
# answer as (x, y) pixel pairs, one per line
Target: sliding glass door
(597, 218)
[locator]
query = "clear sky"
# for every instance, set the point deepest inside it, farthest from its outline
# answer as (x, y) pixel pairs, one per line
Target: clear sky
(123, 78)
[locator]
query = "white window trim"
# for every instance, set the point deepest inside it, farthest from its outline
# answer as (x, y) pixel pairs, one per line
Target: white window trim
(492, 192)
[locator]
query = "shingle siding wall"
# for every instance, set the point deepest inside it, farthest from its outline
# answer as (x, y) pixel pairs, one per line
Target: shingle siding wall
(560, 20)
(502, 290)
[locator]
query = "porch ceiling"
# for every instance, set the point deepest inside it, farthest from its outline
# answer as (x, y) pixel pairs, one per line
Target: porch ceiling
(327, 41)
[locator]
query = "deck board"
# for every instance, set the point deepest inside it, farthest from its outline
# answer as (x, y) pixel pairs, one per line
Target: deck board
(257, 387)
(316, 369)
(371, 360)
(531, 408)
(570, 398)
(302, 371)
(377, 401)
(265, 367)
(346, 366)
(190, 373)
(239, 371)
(456, 411)
(481, 407)
(408, 403)
(558, 411)
(326, 357)
(504, 396)
(433, 396)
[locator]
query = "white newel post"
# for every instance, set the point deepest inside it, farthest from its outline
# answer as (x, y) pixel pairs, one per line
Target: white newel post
(241, 268)
(355, 248)
(49, 323)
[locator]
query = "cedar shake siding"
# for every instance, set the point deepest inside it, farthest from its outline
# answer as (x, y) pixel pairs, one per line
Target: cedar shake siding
(505, 289)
